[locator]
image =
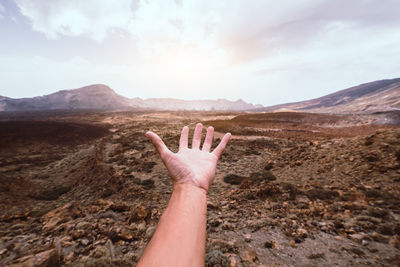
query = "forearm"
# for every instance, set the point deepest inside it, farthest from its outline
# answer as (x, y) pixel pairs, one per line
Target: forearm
(180, 236)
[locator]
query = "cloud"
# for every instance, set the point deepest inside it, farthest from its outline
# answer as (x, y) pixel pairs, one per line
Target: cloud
(165, 25)
(256, 31)
(93, 18)
(158, 27)
(227, 48)
(247, 31)
(2, 11)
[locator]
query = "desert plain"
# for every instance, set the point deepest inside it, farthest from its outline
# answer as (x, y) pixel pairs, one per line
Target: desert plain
(291, 189)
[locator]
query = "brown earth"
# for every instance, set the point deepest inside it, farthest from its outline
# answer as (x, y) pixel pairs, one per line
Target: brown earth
(291, 189)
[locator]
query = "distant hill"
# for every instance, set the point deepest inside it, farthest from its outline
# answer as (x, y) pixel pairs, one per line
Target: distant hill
(102, 97)
(377, 96)
(96, 96)
(178, 104)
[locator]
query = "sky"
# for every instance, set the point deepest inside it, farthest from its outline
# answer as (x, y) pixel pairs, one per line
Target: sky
(262, 51)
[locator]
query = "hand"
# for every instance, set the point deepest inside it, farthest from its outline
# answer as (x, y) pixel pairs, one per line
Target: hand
(193, 166)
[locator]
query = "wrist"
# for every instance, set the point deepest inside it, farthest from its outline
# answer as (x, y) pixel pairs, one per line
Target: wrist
(189, 187)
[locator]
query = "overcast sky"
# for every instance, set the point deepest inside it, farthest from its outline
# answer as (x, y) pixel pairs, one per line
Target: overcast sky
(265, 52)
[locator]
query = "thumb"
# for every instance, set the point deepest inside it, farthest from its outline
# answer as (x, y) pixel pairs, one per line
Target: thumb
(158, 144)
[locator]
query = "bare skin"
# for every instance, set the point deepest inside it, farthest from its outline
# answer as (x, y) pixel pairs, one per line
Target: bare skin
(180, 236)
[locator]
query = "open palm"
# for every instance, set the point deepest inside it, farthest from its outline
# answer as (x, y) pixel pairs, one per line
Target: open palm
(193, 166)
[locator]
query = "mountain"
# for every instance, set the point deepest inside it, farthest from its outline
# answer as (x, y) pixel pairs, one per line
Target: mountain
(377, 96)
(96, 96)
(102, 97)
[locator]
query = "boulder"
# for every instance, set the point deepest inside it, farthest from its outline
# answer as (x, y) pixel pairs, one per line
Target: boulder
(233, 179)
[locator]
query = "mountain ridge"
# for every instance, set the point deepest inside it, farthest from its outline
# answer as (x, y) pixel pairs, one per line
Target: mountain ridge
(375, 96)
(102, 97)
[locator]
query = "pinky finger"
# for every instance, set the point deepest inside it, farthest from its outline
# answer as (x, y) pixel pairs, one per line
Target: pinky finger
(221, 146)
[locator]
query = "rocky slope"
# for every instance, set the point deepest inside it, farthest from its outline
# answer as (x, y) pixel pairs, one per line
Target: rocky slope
(377, 96)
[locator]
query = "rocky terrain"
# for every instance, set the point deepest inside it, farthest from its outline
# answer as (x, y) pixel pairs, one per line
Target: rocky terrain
(291, 189)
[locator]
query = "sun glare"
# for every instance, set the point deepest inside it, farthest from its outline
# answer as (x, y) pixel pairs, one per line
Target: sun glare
(189, 65)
